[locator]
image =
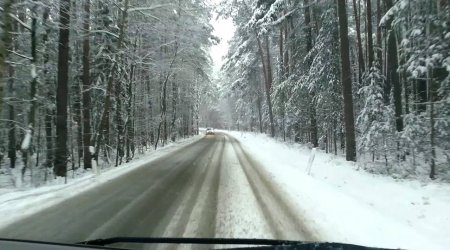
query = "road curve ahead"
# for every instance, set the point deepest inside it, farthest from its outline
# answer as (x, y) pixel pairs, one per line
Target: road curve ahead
(210, 188)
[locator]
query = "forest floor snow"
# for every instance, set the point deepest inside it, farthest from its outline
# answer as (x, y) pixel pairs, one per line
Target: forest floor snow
(347, 204)
(17, 203)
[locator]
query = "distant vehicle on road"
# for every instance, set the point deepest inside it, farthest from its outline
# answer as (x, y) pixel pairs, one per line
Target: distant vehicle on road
(209, 131)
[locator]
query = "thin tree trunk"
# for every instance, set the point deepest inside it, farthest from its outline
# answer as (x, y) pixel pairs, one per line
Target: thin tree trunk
(174, 109)
(379, 45)
(258, 106)
(128, 125)
(312, 105)
(62, 90)
(432, 133)
(11, 123)
(103, 130)
(392, 74)
(361, 65)
(267, 69)
(369, 33)
(269, 87)
(5, 43)
(49, 85)
(346, 83)
(87, 162)
(163, 101)
(27, 152)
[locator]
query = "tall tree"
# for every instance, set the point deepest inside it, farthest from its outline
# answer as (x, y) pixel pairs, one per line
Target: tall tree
(369, 33)
(61, 152)
(361, 65)
(5, 43)
(392, 77)
(312, 106)
(346, 83)
(86, 87)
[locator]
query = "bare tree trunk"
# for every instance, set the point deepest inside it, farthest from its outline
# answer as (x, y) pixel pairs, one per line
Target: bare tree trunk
(62, 90)
(5, 43)
(103, 130)
(163, 101)
(267, 69)
(392, 74)
(312, 105)
(258, 106)
(379, 45)
(27, 152)
(87, 163)
(128, 125)
(432, 132)
(369, 33)
(11, 123)
(48, 123)
(346, 83)
(282, 78)
(361, 65)
(174, 109)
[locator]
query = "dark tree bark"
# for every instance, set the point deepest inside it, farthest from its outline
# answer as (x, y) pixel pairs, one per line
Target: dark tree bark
(86, 88)
(346, 83)
(163, 99)
(369, 33)
(269, 87)
(379, 45)
(5, 43)
(62, 89)
(312, 106)
(361, 65)
(258, 106)
(120, 123)
(129, 123)
(11, 116)
(103, 128)
(48, 123)
(267, 70)
(33, 85)
(392, 78)
(27, 152)
(174, 109)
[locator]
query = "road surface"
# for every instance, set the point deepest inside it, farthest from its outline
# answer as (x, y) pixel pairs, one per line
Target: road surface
(210, 188)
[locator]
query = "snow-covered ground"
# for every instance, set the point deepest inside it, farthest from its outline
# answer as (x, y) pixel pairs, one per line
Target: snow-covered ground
(350, 205)
(17, 203)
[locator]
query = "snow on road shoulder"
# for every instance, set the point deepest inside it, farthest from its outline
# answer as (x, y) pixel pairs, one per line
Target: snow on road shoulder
(16, 204)
(238, 212)
(353, 206)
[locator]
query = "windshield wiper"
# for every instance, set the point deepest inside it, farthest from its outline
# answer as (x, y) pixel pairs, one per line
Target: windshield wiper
(200, 241)
(256, 243)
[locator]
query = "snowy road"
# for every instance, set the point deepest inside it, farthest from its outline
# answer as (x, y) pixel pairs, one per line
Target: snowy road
(210, 188)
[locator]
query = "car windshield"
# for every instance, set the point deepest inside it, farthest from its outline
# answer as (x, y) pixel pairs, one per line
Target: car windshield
(300, 120)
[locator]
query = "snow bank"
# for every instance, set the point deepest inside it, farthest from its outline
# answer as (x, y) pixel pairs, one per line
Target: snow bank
(16, 203)
(352, 206)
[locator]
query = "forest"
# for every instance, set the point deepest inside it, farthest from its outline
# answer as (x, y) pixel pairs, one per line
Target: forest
(89, 82)
(84, 83)
(365, 78)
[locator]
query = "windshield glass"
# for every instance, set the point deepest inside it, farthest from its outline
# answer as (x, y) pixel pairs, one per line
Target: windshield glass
(302, 120)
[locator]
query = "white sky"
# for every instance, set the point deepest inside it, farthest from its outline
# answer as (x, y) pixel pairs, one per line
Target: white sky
(224, 29)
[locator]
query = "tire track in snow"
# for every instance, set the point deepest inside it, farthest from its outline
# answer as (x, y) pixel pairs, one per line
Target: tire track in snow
(285, 222)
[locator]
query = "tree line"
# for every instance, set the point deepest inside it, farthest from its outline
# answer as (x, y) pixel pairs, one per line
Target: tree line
(368, 77)
(90, 82)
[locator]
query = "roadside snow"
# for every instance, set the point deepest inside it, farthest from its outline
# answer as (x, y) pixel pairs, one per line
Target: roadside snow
(238, 212)
(17, 203)
(352, 206)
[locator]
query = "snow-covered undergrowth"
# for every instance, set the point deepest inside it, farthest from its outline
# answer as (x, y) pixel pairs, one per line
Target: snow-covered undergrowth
(350, 205)
(17, 203)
